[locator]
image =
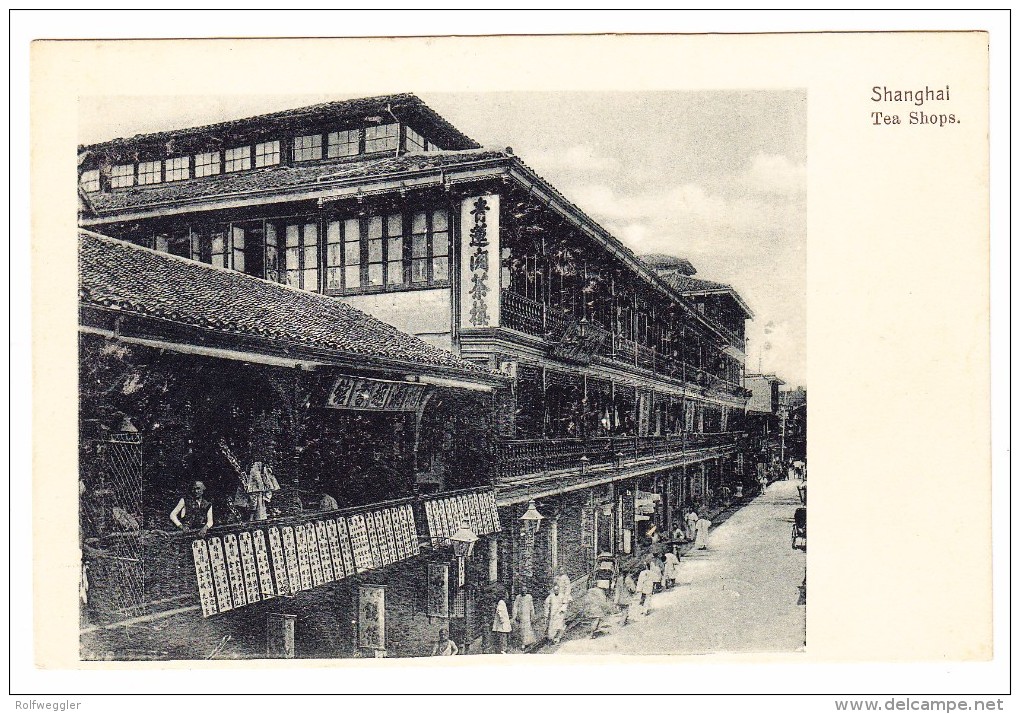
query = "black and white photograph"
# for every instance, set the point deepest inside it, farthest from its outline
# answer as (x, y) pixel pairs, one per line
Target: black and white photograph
(356, 383)
(479, 363)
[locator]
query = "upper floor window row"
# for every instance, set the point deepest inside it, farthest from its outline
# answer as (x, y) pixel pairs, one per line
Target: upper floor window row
(311, 147)
(393, 251)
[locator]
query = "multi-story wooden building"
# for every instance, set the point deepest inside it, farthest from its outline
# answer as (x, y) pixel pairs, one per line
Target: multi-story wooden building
(616, 380)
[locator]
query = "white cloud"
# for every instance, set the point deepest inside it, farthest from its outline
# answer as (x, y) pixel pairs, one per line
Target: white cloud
(774, 174)
(579, 158)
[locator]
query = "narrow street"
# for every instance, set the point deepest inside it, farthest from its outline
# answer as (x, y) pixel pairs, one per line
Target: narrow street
(740, 595)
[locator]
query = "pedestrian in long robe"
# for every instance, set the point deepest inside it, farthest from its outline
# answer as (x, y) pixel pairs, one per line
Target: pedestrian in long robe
(701, 533)
(565, 586)
(645, 587)
(555, 615)
(523, 619)
(501, 627)
(671, 570)
(691, 519)
(655, 568)
(626, 595)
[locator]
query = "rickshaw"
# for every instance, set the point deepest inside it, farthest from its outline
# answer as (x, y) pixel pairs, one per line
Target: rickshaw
(800, 529)
(605, 572)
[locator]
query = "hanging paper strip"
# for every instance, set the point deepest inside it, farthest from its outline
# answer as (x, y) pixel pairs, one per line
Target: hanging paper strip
(380, 532)
(397, 531)
(412, 530)
(234, 570)
(431, 519)
(347, 546)
(251, 578)
(219, 570)
(203, 573)
(277, 552)
(312, 542)
(290, 551)
(334, 549)
(262, 562)
(304, 567)
(373, 541)
(324, 553)
(359, 543)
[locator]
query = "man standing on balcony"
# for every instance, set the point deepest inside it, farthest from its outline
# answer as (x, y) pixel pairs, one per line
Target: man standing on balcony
(193, 512)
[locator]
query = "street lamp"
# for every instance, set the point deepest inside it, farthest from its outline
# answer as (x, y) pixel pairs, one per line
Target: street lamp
(463, 541)
(531, 521)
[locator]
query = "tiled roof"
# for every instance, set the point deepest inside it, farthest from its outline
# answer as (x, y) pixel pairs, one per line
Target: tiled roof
(278, 178)
(119, 275)
(662, 261)
(687, 284)
(292, 120)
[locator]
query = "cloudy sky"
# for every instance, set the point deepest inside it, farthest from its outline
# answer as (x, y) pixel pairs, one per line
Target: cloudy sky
(716, 177)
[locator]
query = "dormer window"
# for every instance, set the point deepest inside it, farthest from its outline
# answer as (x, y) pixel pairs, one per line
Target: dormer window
(150, 172)
(308, 148)
(382, 138)
(415, 141)
(122, 175)
(207, 164)
(267, 153)
(237, 159)
(89, 180)
(343, 143)
(177, 169)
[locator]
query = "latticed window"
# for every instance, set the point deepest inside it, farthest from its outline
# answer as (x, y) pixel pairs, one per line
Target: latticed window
(343, 143)
(122, 175)
(343, 254)
(301, 255)
(89, 180)
(267, 153)
(382, 138)
(150, 172)
(207, 164)
(415, 141)
(238, 159)
(430, 247)
(308, 148)
(177, 169)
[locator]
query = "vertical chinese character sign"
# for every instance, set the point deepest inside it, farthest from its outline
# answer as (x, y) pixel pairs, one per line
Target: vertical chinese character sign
(479, 261)
(372, 617)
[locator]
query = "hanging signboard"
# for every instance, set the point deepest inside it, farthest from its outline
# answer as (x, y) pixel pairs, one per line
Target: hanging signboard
(276, 551)
(325, 555)
(233, 558)
(359, 541)
(262, 561)
(251, 580)
(203, 572)
(365, 394)
(438, 593)
(480, 262)
(219, 571)
(372, 617)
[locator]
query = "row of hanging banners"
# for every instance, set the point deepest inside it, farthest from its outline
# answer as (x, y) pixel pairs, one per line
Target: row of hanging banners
(244, 568)
(444, 515)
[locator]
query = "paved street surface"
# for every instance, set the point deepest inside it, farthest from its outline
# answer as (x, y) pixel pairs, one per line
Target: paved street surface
(740, 595)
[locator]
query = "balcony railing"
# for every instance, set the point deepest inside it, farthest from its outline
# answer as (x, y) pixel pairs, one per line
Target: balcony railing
(521, 314)
(516, 458)
(528, 316)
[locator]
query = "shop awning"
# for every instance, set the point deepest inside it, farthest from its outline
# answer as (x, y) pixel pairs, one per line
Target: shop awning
(241, 568)
(444, 515)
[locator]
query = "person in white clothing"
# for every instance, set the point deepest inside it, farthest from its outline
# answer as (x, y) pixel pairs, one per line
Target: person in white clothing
(671, 570)
(645, 587)
(701, 533)
(523, 618)
(501, 627)
(555, 615)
